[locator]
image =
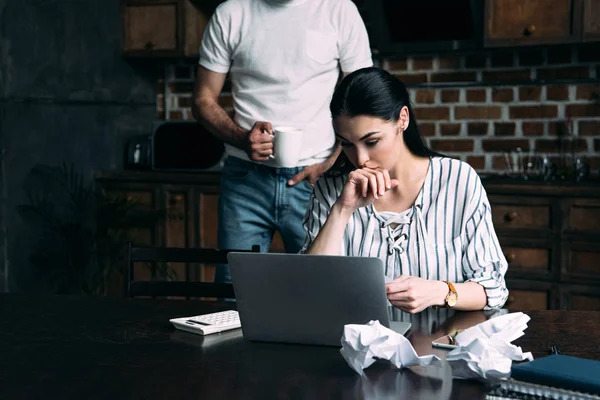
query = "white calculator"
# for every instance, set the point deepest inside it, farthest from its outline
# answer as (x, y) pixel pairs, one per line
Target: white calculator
(208, 323)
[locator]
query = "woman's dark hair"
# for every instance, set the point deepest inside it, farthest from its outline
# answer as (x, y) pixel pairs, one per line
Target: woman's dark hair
(377, 93)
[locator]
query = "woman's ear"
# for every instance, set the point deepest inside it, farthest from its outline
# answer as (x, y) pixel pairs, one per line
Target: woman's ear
(404, 119)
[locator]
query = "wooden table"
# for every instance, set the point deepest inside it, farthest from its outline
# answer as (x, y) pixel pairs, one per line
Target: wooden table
(99, 348)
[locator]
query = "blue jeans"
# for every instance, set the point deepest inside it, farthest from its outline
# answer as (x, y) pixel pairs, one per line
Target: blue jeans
(254, 202)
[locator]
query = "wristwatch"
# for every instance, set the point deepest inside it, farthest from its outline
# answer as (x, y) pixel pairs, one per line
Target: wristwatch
(452, 296)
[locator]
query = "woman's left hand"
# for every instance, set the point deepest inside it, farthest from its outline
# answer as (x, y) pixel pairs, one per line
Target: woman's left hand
(413, 294)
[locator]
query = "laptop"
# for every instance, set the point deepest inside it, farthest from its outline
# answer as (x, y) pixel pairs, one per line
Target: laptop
(307, 299)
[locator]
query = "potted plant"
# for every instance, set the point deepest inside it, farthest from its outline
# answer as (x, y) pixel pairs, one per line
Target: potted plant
(81, 232)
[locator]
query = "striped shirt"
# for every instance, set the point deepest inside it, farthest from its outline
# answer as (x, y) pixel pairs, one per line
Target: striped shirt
(446, 235)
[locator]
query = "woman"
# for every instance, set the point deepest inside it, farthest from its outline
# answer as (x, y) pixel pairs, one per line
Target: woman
(427, 217)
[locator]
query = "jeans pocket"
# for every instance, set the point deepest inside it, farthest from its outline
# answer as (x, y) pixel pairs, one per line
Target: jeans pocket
(236, 170)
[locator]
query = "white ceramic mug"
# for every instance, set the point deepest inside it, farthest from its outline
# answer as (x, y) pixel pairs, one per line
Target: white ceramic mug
(287, 144)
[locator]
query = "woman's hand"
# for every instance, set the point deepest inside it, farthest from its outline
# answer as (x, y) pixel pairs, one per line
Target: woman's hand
(412, 294)
(363, 186)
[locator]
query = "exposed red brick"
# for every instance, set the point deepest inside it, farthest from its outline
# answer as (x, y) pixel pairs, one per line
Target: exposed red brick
(397, 65)
(533, 111)
(475, 60)
(504, 95)
(182, 72)
(533, 128)
(530, 93)
(477, 162)
(449, 145)
(176, 115)
(450, 96)
(184, 101)
(557, 93)
(225, 100)
(583, 110)
(563, 73)
(499, 145)
(476, 96)
(588, 92)
(432, 113)
(499, 163)
(502, 59)
(422, 63)
(449, 62)
(478, 112)
(425, 96)
(412, 78)
(477, 128)
(507, 76)
(504, 129)
(559, 55)
(427, 129)
(554, 145)
(589, 128)
(531, 58)
(453, 77)
(181, 87)
(450, 129)
(558, 128)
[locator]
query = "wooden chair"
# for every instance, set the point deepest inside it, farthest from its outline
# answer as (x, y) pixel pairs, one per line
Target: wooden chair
(156, 288)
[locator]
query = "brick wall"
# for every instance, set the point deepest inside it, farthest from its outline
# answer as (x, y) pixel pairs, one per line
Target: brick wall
(477, 106)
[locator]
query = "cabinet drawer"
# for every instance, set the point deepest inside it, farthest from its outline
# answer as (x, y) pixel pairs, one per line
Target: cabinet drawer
(584, 261)
(584, 217)
(529, 21)
(527, 258)
(582, 302)
(581, 297)
(521, 216)
(527, 300)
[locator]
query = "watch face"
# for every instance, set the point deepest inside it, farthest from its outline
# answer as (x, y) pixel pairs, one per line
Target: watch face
(451, 300)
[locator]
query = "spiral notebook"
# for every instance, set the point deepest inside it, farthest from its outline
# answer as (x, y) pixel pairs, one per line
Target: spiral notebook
(552, 377)
(511, 389)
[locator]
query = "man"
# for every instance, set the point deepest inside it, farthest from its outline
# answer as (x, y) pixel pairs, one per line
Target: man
(284, 59)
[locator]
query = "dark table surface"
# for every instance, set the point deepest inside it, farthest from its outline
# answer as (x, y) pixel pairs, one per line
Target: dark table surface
(89, 347)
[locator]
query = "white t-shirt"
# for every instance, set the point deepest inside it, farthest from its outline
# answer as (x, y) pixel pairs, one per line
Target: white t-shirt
(284, 58)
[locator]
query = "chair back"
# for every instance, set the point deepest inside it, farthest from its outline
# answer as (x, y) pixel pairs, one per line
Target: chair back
(160, 288)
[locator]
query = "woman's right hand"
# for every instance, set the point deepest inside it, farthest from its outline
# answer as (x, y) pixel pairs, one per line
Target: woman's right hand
(363, 186)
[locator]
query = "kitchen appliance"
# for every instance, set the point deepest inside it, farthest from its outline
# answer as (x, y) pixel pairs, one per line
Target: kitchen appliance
(178, 146)
(400, 28)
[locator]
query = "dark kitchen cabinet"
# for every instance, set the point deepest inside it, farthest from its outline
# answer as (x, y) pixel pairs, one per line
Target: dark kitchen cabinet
(189, 204)
(530, 22)
(549, 233)
(163, 28)
(591, 20)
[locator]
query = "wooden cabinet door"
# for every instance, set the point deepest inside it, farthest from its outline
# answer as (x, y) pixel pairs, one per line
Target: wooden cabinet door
(151, 27)
(176, 227)
(531, 295)
(580, 297)
(528, 22)
(591, 20)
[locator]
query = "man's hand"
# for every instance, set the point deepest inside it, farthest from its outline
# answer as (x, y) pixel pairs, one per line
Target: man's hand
(259, 144)
(310, 173)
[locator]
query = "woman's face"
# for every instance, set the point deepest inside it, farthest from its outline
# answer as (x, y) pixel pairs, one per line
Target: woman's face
(370, 141)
